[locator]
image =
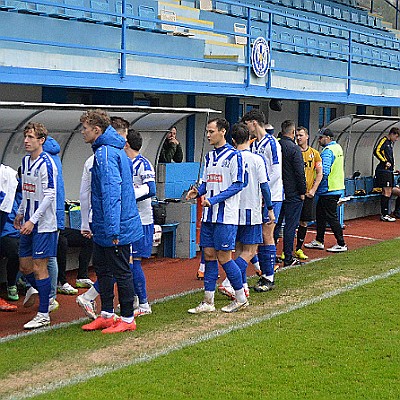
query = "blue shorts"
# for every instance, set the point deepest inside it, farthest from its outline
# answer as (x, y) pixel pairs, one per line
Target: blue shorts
(218, 236)
(276, 206)
(38, 245)
(142, 248)
(249, 234)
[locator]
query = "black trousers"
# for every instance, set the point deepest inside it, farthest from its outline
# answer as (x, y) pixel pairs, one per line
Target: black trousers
(327, 213)
(9, 248)
(73, 238)
(110, 263)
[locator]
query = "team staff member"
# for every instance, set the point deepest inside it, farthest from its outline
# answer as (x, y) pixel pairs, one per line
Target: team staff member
(384, 171)
(221, 184)
(329, 191)
(294, 185)
(313, 172)
(36, 218)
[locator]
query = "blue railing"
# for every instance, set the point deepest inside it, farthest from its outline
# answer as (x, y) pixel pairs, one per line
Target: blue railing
(303, 34)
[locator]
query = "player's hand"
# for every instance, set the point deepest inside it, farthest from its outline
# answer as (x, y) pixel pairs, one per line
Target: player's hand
(18, 221)
(310, 194)
(86, 234)
(271, 217)
(192, 193)
(27, 228)
(205, 203)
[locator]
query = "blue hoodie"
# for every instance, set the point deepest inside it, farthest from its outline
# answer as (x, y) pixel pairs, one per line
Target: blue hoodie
(115, 214)
(52, 147)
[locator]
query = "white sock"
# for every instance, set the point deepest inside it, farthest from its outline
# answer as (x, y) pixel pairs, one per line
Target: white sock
(43, 314)
(145, 306)
(202, 267)
(128, 320)
(90, 294)
(209, 297)
(246, 286)
(226, 283)
(240, 296)
(106, 314)
(257, 265)
(269, 277)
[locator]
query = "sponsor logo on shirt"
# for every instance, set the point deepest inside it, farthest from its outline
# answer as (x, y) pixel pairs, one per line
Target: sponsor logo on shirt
(29, 187)
(216, 178)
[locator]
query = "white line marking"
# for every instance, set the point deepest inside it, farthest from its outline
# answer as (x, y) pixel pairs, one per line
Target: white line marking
(97, 372)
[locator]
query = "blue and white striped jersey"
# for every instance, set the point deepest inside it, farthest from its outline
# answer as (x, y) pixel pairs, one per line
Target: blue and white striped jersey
(270, 149)
(143, 172)
(39, 185)
(250, 206)
(223, 167)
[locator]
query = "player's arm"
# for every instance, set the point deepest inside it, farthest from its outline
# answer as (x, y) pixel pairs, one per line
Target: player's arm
(233, 189)
(143, 192)
(318, 178)
(84, 196)
(379, 152)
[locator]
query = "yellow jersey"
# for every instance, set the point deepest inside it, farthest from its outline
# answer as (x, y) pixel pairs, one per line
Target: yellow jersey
(312, 159)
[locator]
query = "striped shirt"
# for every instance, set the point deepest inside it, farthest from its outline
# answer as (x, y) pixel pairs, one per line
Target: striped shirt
(39, 184)
(270, 149)
(143, 172)
(223, 167)
(255, 174)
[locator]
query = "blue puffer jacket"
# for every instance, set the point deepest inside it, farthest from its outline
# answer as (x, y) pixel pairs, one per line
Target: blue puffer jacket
(115, 215)
(52, 147)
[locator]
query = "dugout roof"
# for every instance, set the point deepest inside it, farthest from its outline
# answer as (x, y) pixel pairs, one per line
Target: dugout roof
(62, 122)
(358, 135)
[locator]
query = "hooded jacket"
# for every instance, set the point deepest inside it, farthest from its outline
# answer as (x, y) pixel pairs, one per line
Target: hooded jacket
(52, 147)
(115, 214)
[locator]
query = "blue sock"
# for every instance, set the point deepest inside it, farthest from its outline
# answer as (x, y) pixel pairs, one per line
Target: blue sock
(266, 256)
(234, 274)
(210, 275)
(254, 259)
(97, 286)
(44, 287)
(242, 264)
(139, 281)
(30, 278)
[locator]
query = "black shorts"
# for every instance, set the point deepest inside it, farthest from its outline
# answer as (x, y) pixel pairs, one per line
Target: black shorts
(308, 210)
(384, 178)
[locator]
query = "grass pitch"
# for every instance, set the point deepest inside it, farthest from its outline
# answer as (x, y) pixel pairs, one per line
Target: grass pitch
(292, 343)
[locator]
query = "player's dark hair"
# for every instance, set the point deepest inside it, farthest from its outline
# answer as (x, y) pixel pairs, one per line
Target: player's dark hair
(254, 115)
(287, 127)
(134, 139)
(240, 133)
(221, 123)
(119, 123)
(394, 131)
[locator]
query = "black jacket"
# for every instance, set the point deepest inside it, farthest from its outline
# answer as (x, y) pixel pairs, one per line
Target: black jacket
(294, 180)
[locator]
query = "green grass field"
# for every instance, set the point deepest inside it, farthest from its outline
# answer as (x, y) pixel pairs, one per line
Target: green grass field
(330, 330)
